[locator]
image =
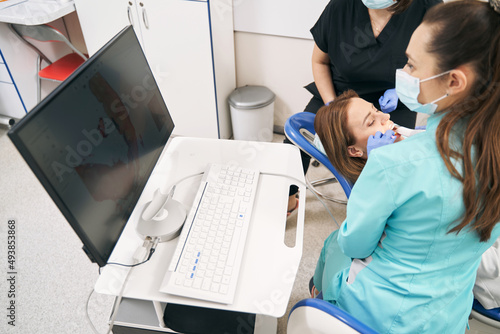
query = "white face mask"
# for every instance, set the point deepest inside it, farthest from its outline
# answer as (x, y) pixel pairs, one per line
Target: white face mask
(378, 4)
(408, 89)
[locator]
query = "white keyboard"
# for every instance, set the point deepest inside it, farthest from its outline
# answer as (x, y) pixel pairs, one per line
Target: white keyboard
(206, 262)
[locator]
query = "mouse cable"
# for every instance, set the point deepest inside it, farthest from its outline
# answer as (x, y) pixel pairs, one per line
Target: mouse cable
(118, 300)
(146, 250)
(87, 313)
(142, 255)
(302, 183)
(115, 308)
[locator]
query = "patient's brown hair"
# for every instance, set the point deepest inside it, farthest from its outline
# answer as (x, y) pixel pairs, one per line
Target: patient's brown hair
(330, 124)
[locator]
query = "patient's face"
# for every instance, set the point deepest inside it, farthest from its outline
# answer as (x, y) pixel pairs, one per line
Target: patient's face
(364, 120)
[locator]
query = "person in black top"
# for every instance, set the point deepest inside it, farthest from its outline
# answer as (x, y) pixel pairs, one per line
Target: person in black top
(360, 48)
(358, 45)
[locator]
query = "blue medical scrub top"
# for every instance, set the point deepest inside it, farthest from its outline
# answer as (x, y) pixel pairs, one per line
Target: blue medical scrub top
(415, 277)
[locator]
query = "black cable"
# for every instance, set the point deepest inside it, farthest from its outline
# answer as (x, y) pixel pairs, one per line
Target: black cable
(133, 265)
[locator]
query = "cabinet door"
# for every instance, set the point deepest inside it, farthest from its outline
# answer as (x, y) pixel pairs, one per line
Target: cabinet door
(177, 41)
(102, 20)
(11, 103)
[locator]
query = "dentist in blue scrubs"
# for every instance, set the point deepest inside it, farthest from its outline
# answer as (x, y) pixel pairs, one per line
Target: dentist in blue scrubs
(424, 210)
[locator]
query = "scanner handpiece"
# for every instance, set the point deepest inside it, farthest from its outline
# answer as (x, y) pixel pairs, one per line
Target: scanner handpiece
(156, 204)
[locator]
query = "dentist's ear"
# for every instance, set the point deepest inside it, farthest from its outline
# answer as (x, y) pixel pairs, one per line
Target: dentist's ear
(354, 152)
(459, 80)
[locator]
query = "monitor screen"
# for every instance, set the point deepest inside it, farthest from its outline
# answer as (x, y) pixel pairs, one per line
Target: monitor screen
(94, 141)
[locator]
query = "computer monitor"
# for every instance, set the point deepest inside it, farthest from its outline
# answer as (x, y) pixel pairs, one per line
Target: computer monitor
(94, 141)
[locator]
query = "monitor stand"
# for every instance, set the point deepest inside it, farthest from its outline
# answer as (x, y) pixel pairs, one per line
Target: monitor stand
(167, 221)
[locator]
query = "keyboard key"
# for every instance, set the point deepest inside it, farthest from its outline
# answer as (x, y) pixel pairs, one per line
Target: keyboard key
(197, 283)
(206, 284)
(215, 287)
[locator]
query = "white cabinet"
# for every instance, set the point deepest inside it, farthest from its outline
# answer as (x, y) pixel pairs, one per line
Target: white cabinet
(11, 104)
(190, 49)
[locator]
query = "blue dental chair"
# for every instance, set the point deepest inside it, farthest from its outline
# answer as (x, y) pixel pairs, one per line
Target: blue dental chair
(488, 317)
(316, 316)
(299, 129)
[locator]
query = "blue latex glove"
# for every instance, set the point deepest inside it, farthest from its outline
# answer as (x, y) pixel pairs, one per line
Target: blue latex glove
(379, 140)
(389, 101)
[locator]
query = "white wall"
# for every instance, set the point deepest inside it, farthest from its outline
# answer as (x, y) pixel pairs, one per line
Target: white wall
(282, 64)
(290, 18)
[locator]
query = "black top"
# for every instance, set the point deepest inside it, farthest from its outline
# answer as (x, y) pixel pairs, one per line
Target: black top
(359, 61)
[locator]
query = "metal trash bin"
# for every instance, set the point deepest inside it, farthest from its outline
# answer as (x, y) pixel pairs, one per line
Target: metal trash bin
(252, 113)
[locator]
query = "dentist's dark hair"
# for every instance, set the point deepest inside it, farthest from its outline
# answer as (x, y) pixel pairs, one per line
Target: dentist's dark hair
(468, 32)
(400, 6)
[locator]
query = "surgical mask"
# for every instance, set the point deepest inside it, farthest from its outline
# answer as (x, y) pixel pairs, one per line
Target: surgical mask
(378, 4)
(408, 89)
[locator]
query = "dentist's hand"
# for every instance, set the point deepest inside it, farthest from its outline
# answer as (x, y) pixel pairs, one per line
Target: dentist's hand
(389, 101)
(379, 140)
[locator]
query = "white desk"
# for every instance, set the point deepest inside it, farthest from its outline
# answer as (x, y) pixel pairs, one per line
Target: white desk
(269, 266)
(34, 12)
